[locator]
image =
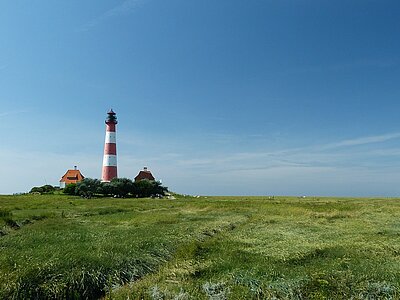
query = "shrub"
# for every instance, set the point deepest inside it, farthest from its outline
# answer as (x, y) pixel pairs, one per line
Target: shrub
(36, 189)
(70, 189)
(48, 188)
(88, 187)
(121, 186)
(147, 188)
(45, 189)
(107, 189)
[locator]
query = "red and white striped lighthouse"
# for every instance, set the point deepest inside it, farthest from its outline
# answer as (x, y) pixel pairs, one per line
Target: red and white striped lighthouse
(110, 149)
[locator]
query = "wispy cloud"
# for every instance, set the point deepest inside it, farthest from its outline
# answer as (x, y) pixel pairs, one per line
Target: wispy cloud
(13, 112)
(334, 168)
(125, 8)
(362, 141)
(340, 154)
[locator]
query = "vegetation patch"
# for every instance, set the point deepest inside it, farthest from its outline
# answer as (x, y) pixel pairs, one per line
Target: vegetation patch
(5, 214)
(117, 187)
(111, 210)
(68, 247)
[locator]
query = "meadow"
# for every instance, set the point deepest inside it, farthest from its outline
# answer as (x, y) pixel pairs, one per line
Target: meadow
(65, 247)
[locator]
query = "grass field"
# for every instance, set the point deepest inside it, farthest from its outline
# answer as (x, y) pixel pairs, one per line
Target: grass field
(56, 246)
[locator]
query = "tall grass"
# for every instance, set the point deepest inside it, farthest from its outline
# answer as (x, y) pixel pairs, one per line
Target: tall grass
(289, 249)
(199, 248)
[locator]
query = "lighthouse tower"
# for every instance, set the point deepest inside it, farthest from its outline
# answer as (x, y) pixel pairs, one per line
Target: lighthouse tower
(110, 149)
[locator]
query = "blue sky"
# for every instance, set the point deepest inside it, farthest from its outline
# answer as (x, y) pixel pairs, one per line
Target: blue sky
(255, 97)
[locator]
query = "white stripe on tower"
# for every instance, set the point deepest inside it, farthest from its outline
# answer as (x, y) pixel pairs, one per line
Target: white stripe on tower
(111, 137)
(109, 161)
(110, 149)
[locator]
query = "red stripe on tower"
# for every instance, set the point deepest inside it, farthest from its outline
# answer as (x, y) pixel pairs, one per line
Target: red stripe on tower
(110, 149)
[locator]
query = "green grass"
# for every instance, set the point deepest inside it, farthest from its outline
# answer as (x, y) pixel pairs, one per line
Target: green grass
(56, 246)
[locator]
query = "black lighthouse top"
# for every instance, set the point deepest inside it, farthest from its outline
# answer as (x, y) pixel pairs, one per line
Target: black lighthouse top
(111, 118)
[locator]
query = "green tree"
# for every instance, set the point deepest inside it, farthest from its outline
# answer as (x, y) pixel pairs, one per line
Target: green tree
(45, 189)
(121, 186)
(48, 188)
(36, 189)
(159, 189)
(70, 189)
(148, 188)
(107, 189)
(88, 187)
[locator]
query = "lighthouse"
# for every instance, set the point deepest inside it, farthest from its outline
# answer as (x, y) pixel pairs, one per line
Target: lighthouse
(110, 148)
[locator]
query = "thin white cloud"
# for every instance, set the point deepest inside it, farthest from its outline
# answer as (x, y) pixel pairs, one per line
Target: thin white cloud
(125, 8)
(13, 112)
(335, 168)
(339, 154)
(362, 141)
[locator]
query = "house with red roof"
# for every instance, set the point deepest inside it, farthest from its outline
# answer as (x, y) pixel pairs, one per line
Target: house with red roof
(71, 176)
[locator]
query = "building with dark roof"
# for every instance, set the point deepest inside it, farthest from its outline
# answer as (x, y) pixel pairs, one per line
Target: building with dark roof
(144, 174)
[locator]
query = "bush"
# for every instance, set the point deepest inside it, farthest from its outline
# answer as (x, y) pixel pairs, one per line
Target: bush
(107, 189)
(45, 189)
(88, 187)
(70, 189)
(118, 187)
(121, 187)
(124, 187)
(148, 188)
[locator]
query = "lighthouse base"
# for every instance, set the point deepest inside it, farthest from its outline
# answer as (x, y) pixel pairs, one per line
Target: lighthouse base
(109, 173)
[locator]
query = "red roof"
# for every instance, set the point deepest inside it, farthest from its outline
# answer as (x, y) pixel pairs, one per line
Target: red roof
(144, 174)
(72, 176)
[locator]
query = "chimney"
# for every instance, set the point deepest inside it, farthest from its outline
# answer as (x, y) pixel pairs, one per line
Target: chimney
(75, 168)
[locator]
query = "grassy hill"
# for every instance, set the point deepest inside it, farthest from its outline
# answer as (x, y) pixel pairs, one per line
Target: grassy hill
(56, 246)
